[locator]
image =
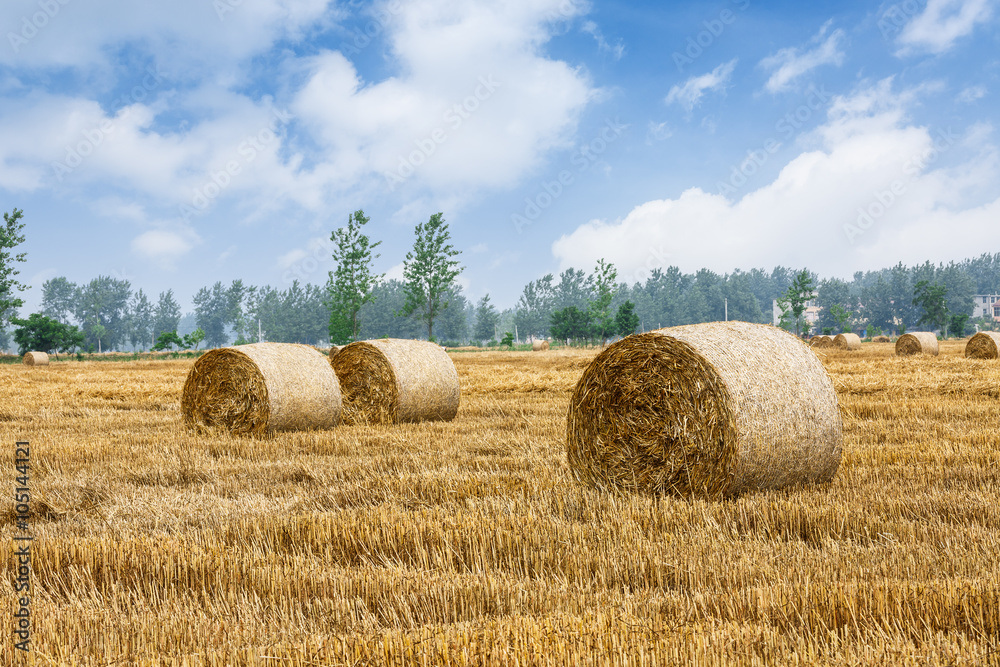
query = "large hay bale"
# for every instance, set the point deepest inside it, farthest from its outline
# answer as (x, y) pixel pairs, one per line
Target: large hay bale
(881, 339)
(707, 410)
(539, 345)
(261, 388)
(918, 342)
(984, 345)
(35, 359)
(390, 381)
(821, 341)
(847, 341)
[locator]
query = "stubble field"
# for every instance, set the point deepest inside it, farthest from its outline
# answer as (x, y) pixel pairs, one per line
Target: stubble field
(469, 543)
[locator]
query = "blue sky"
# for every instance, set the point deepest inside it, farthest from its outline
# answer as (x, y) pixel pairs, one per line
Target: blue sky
(177, 144)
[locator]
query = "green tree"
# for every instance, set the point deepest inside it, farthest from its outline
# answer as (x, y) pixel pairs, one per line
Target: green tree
(841, 316)
(487, 319)
(535, 307)
(213, 311)
(626, 321)
(59, 298)
(140, 321)
(11, 236)
(45, 334)
(193, 339)
(507, 340)
(795, 297)
(166, 339)
(430, 271)
(167, 314)
(604, 284)
(352, 284)
(570, 324)
(103, 302)
(931, 299)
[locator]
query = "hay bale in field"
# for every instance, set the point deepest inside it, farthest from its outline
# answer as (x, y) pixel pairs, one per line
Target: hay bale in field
(881, 339)
(918, 342)
(821, 341)
(847, 341)
(984, 345)
(262, 388)
(35, 359)
(539, 345)
(334, 349)
(390, 380)
(708, 410)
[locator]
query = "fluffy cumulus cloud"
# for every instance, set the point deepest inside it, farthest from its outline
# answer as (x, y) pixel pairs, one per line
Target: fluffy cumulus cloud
(789, 64)
(941, 24)
(872, 190)
(164, 246)
(689, 94)
(474, 103)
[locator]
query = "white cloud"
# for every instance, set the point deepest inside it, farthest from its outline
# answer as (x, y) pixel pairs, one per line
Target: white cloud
(164, 246)
(616, 51)
(941, 24)
(789, 64)
(831, 208)
(689, 94)
(971, 94)
(656, 132)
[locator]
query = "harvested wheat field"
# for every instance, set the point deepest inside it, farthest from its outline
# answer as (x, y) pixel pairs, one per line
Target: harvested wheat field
(468, 542)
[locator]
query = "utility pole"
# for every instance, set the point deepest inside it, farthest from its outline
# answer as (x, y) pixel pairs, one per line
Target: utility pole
(259, 335)
(727, 309)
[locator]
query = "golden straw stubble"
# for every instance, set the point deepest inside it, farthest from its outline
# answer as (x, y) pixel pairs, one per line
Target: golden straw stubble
(984, 345)
(261, 388)
(706, 410)
(918, 342)
(393, 380)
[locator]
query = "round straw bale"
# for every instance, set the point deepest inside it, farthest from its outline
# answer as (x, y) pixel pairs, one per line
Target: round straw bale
(261, 388)
(984, 345)
(847, 341)
(539, 345)
(35, 359)
(918, 342)
(707, 410)
(821, 341)
(881, 339)
(392, 380)
(334, 349)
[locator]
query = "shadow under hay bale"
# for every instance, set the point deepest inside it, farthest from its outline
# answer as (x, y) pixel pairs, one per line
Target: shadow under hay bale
(539, 345)
(261, 388)
(847, 341)
(984, 345)
(918, 342)
(705, 410)
(391, 381)
(35, 359)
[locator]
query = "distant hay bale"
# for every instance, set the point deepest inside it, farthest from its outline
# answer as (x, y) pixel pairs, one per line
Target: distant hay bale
(706, 410)
(391, 380)
(984, 345)
(261, 388)
(35, 359)
(539, 346)
(847, 341)
(821, 341)
(881, 339)
(918, 342)
(334, 349)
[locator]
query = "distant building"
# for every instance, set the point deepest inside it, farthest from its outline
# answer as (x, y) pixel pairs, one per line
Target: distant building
(986, 305)
(811, 315)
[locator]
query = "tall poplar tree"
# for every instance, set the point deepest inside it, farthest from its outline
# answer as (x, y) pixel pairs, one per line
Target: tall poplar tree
(352, 284)
(430, 272)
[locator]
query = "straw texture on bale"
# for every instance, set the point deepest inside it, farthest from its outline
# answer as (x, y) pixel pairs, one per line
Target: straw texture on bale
(918, 342)
(262, 388)
(334, 349)
(539, 345)
(705, 410)
(821, 341)
(35, 359)
(391, 381)
(984, 345)
(881, 339)
(847, 341)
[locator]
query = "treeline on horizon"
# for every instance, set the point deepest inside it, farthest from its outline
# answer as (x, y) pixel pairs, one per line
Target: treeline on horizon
(112, 316)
